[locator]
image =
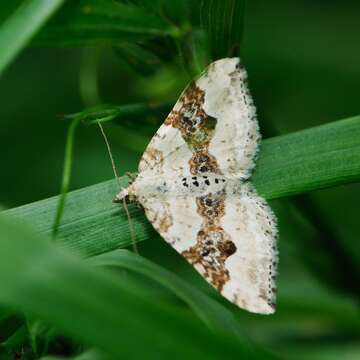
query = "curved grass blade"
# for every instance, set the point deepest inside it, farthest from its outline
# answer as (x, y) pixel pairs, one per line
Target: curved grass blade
(92, 306)
(214, 315)
(18, 338)
(21, 26)
(65, 183)
(91, 354)
(89, 22)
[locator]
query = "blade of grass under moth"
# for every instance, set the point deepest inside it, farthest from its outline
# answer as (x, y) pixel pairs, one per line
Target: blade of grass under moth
(291, 164)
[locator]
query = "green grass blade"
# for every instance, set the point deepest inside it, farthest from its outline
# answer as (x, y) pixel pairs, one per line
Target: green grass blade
(21, 26)
(65, 183)
(214, 315)
(348, 351)
(291, 164)
(93, 306)
(310, 159)
(89, 22)
(91, 354)
(223, 24)
(17, 339)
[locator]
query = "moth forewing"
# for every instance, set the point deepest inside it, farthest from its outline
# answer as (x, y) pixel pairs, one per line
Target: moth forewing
(192, 186)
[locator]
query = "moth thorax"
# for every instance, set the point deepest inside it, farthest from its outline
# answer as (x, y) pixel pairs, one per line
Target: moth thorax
(127, 195)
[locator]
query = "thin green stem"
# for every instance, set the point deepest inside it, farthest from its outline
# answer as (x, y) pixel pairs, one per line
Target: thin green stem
(66, 177)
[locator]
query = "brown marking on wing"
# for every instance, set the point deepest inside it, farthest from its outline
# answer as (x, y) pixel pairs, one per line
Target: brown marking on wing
(160, 219)
(213, 244)
(203, 162)
(152, 157)
(196, 128)
(227, 247)
(164, 224)
(211, 207)
(241, 302)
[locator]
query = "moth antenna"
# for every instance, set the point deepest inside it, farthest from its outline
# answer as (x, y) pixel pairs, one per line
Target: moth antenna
(132, 230)
(109, 152)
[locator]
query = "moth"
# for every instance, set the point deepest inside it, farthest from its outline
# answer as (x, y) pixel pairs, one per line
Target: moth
(193, 185)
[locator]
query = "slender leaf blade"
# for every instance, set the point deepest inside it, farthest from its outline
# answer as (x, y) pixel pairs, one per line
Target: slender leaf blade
(291, 164)
(17, 30)
(223, 24)
(88, 22)
(214, 315)
(18, 338)
(91, 305)
(91, 354)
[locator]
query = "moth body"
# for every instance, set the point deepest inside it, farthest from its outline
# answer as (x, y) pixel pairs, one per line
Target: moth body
(193, 185)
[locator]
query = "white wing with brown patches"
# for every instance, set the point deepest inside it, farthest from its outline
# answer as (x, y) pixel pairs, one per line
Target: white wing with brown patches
(227, 99)
(252, 268)
(167, 152)
(175, 219)
(228, 235)
(212, 127)
(192, 186)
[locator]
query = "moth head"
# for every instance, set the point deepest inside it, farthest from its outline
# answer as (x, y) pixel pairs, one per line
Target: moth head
(126, 195)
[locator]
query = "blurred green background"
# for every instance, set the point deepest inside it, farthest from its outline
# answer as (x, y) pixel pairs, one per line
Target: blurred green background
(303, 60)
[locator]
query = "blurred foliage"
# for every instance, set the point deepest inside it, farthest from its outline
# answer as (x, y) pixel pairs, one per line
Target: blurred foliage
(137, 56)
(223, 22)
(19, 22)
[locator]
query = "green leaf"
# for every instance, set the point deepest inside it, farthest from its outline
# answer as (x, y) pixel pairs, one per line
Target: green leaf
(141, 60)
(347, 351)
(177, 11)
(214, 315)
(91, 354)
(9, 325)
(18, 338)
(291, 164)
(310, 159)
(85, 22)
(93, 306)
(65, 182)
(223, 23)
(21, 25)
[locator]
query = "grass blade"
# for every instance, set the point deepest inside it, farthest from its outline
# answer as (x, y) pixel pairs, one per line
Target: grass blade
(21, 26)
(52, 284)
(291, 164)
(89, 22)
(223, 23)
(311, 159)
(214, 315)
(18, 338)
(65, 183)
(91, 354)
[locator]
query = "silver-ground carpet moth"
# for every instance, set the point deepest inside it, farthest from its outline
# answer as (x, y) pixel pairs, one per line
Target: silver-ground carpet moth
(192, 184)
